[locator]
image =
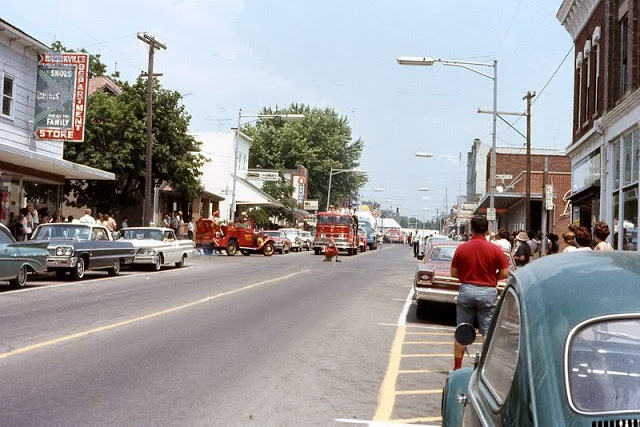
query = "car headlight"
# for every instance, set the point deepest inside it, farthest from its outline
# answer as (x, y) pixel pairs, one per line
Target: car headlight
(64, 250)
(147, 251)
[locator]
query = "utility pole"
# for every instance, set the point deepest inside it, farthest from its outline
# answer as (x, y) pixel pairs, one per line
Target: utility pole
(527, 200)
(545, 212)
(147, 212)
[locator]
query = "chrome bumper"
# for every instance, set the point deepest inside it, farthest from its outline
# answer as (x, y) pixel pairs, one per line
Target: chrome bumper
(145, 259)
(61, 262)
(436, 295)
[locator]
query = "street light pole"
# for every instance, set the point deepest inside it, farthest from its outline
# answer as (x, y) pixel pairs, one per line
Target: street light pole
(329, 191)
(336, 172)
(467, 65)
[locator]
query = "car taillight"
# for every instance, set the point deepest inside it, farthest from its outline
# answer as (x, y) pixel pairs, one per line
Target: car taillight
(425, 277)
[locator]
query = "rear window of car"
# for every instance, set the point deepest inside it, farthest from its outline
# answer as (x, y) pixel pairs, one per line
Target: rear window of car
(442, 253)
(602, 365)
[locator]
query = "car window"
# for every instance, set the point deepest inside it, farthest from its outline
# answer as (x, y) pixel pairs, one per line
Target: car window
(100, 234)
(5, 239)
(603, 366)
(504, 347)
(442, 253)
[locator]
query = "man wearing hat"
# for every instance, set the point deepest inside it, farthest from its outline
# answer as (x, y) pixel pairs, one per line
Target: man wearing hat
(475, 264)
(522, 252)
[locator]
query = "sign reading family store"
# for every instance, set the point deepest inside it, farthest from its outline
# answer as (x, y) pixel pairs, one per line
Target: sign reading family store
(61, 96)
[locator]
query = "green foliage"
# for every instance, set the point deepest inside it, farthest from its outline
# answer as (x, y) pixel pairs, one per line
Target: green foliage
(281, 191)
(319, 142)
(115, 141)
(260, 217)
(96, 66)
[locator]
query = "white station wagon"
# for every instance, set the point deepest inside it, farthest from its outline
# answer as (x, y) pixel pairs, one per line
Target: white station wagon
(157, 246)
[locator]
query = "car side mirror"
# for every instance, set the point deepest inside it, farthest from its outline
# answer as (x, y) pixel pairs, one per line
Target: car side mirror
(465, 334)
(420, 257)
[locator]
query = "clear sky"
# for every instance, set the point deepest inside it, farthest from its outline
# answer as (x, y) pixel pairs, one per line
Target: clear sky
(224, 55)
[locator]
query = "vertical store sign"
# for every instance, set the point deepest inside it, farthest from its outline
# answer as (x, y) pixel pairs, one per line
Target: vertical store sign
(299, 186)
(61, 96)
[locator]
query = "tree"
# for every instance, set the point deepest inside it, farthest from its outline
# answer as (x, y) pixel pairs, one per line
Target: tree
(96, 66)
(319, 142)
(115, 141)
(281, 191)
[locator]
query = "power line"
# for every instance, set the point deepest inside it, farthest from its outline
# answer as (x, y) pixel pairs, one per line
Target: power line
(508, 28)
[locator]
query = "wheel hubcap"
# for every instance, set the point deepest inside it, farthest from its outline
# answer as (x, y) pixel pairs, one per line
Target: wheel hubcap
(80, 267)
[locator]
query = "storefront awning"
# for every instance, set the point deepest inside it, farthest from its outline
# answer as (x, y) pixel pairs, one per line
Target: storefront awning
(505, 200)
(248, 194)
(40, 168)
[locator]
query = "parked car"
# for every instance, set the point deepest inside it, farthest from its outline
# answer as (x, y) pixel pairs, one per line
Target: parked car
(17, 260)
(157, 246)
(432, 280)
(362, 240)
(563, 348)
(282, 243)
(76, 248)
(293, 235)
(307, 240)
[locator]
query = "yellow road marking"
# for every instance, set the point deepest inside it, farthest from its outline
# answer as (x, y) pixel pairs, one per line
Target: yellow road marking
(430, 333)
(422, 371)
(387, 395)
(406, 392)
(416, 420)
(141, 318)
(429, 355)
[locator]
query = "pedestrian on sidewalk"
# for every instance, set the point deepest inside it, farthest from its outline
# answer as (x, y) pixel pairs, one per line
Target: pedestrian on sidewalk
(522, 251)
(416, 245)
(475, 264)
(583, 239)
(600, 233)
(503, 240)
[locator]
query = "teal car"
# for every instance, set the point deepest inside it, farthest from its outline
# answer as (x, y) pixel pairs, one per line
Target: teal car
(18, 260)
(563, 348)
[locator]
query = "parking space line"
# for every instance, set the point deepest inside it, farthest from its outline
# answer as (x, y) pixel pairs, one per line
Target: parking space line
(414, 325)
(390, 423)
(411, 392)
(431, 333)
(422, 371)
(141, 318)
(416, 420)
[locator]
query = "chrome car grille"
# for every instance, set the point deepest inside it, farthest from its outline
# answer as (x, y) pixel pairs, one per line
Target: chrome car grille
(629, 422)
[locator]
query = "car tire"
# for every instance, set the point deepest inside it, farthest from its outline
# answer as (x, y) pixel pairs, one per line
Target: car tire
(422, 309)
(316, 251)
(180, 263)
(268, 249)
(115, 270)
(77, 273)
(21, 278)
(232, 248)
(157, 266)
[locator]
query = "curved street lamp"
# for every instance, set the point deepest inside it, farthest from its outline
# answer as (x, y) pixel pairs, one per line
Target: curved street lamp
(333, 172)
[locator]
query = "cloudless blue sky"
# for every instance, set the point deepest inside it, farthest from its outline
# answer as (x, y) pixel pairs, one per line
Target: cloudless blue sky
(225, 55)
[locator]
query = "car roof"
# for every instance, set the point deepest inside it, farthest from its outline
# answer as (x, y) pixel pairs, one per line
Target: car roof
(443, 242)
(148, 228)
(557, 293)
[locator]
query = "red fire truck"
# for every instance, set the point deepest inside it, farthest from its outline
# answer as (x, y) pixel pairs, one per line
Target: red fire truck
(341, 227)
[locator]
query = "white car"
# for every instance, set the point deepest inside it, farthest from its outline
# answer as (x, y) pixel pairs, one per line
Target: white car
(293, 234)
(307, 240)
(156, 246)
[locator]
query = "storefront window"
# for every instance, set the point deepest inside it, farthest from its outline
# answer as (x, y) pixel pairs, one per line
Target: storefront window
(616, 165)
(636, 155)
(630, 215)
(628, 160)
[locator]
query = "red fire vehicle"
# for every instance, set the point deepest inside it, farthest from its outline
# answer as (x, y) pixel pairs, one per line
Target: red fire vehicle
(239, 236)
(342, 227)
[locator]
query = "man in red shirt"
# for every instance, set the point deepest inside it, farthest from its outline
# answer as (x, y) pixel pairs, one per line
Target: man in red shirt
(478, 264)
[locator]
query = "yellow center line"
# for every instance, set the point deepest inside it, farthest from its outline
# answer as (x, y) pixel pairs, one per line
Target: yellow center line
(429, 355)
(408, 392)
(141, 318)
(387, 394)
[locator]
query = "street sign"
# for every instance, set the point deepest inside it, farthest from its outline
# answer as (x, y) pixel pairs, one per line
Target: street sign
(263, 176)
(504, 176)
(310, 205)
(548, 197)
(491, 214)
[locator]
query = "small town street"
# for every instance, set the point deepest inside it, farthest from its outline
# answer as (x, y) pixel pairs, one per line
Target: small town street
(286, 340)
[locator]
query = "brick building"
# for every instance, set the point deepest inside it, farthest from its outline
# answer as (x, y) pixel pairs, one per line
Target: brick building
(511, 188)
(605, 147)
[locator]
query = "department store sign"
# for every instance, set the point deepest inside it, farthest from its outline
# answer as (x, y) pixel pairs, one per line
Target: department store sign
(586, 172)
(61, 96)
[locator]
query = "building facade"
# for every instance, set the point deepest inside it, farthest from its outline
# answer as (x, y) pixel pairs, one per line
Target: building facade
(23, 158)
(476, 166)
(605, 147)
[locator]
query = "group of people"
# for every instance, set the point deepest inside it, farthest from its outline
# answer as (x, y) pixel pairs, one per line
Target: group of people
(184, 229)
(579, 238)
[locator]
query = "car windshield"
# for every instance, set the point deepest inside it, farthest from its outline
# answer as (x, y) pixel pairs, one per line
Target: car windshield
(334, 219)
(603, 366)
(442, 253)
(142, 234)
(290, 233)
(273, 233)
(62, 232)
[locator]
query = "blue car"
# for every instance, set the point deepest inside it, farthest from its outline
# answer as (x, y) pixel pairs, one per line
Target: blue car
(17, 260)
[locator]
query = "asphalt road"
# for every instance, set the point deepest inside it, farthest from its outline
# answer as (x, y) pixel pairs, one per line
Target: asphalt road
(285, 341)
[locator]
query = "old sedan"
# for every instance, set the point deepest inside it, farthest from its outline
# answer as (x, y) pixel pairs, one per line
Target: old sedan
(563, 348)
(156, 246)
(293, 235)
(433, 282)
(307, 240)
(76, 248)
(17, 260)
(282, 243)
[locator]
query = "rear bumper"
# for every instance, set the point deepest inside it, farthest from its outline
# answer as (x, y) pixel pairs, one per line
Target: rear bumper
(436, 295)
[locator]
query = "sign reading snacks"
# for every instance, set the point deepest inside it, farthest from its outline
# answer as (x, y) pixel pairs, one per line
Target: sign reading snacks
(61, 96)
(310, 205)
